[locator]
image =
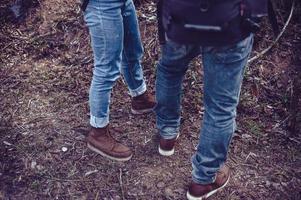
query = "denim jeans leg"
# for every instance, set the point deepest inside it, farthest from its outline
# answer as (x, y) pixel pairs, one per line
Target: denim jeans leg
(105, 24)
(223, 74)
(132, 51)
(170, 72)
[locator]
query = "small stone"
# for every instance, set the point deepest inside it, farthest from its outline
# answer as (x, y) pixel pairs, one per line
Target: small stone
(33, 164)
(39, 167)
(64, 149)
(160, 184)
(169, 192)
(246, 136)
(25, 133)
(117, 197)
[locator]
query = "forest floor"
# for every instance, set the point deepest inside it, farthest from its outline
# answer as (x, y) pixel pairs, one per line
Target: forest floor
(45, 72)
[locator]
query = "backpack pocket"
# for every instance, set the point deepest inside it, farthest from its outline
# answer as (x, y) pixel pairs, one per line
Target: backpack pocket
(201, 15)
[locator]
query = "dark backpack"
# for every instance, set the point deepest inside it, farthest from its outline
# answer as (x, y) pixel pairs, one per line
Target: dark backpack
(209, 22)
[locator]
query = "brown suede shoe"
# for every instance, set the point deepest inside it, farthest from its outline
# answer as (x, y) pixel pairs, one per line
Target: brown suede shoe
(200, 192)
(167, 146)
(100, 141)
(143, 103)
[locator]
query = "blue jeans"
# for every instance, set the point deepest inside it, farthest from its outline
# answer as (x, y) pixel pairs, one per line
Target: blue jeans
(117, 47)
(223, 74)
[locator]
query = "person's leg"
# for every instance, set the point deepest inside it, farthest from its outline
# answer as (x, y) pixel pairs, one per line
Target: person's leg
(105, 22)
(132, 52)
(223, 74)
(131, 67)
(170, 72)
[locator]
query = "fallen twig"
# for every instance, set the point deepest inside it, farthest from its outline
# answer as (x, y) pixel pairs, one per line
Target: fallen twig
(281, 123)
(277, 38)
(121, 185)
(68, 180)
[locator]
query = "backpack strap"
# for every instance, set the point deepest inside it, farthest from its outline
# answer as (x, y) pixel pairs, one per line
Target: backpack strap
(161, 31)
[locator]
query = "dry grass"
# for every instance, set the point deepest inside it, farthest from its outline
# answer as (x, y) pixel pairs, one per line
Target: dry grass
(44, 79)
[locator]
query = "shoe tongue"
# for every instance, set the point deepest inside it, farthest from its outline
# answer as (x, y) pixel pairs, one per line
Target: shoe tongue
(112, 139)
(142, 96)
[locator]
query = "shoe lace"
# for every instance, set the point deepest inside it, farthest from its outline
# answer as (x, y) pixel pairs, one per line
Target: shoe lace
(110, 129)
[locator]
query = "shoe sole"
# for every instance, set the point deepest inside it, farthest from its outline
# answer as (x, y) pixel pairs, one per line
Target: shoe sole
(140, 112)
(191, 197)
(166, 153)
(108, 156)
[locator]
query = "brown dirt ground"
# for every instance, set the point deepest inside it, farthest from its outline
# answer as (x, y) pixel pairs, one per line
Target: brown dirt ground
(45, 71)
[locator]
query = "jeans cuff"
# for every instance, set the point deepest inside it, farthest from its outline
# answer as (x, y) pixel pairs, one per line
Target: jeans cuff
(168, 129)
(169, 135)
(169, 132)
(203, 181)
(138, 91)
(98, 122)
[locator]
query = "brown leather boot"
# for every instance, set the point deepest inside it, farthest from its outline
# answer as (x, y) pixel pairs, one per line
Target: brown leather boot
(100, 141)
(199, 192)
(167, 146)
(143, 103)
